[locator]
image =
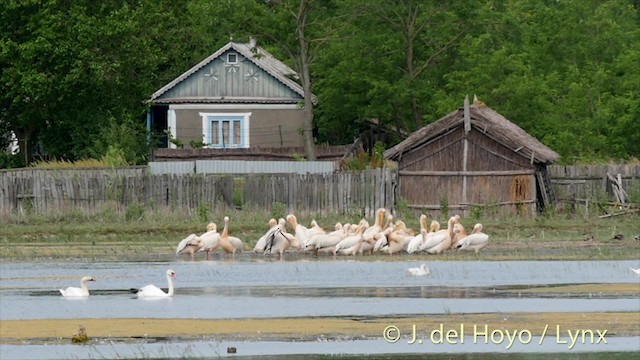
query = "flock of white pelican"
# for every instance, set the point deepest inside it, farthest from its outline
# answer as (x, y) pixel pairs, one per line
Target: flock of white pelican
(385, 236)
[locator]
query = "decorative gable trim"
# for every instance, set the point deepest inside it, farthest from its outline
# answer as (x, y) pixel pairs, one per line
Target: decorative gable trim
(258, 56)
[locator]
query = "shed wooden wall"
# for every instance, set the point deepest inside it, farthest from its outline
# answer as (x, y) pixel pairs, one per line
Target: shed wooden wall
(434, 174)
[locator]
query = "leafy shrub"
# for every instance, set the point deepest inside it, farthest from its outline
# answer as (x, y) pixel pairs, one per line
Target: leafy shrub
(134, 212)
(278, 210)
(203, 212)
(114, 157)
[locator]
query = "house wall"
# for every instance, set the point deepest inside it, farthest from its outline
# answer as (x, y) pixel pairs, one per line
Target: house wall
(433, 175)
(270, 125)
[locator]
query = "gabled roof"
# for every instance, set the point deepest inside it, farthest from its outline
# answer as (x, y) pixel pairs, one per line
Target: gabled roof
(485, 120)
(255, 54)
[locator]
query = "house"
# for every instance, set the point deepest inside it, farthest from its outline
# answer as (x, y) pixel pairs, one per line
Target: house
(473, 159)
(240, 97)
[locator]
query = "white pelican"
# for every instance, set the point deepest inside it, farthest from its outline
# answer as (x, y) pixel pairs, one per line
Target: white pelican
(229, 244)
(315, 229)
(262, 242)
(419, 271)
(351, 244)
(416, 241)
(402, 229)
(150, 291)
(300, 231)
(324, 242)
(434, 236)
(377, 225)
(395, 240)
(635, 271)
(367, 246)
(189, 245)
(381, 239)
(278, 241)
(81, 291)
(210, 241)
(474, 241)
(459, 233)
(437, 243)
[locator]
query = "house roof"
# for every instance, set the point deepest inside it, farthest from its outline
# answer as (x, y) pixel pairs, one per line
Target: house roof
(485, 120)
(260, 57)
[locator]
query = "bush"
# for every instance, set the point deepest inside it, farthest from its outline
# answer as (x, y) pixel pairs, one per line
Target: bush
(8, 161)
(134, 212)
(114, 157)
(278, 210)
(203, 212)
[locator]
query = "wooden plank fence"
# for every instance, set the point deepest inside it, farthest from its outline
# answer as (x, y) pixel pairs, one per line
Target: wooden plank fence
(583, 184)
(49, 191)
(44, 191)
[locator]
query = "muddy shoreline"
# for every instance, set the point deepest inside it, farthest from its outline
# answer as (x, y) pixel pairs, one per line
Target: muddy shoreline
(310, 329)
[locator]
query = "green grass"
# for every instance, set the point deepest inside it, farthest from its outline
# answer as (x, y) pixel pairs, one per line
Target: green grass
(111, 232)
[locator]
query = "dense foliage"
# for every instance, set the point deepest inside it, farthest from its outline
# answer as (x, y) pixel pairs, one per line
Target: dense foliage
(76, 74)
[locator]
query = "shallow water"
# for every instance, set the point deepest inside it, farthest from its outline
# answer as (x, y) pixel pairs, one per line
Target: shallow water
(215, 349)
(251, 287)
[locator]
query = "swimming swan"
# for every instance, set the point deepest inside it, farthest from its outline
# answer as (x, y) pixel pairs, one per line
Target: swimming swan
(419, 271)
(151, 291)
(82, 291)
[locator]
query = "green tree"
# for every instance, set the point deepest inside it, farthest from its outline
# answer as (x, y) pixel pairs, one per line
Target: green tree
(556, 69)
(387, 62)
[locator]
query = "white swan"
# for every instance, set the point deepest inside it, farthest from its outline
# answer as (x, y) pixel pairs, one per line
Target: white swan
(635, 271)
(81, 291)
(151, 291)
(477, 240)
(419, 271)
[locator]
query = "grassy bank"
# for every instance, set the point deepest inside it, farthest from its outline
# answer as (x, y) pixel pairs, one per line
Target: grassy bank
(145, 233)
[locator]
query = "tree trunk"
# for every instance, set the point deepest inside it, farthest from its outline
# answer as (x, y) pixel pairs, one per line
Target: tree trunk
(305, 76)
(24, 141)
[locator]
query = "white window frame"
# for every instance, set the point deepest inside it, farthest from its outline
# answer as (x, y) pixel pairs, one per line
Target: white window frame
(171, 124)
(208, 118)
(232, 62)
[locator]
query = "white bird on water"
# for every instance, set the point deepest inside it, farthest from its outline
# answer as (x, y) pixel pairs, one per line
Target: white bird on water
(635, 271)
(152, 291)
(419, 271)
(82, 291)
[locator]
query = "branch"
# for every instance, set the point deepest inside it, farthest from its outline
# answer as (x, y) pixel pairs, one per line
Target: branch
(448, 45)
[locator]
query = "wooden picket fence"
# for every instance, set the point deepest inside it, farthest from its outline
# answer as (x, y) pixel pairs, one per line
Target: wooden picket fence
(48, 191)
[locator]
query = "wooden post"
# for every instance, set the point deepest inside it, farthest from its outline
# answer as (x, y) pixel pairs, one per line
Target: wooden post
(467, 129)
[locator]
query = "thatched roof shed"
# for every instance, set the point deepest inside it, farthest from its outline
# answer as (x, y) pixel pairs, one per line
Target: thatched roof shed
(473, 157)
